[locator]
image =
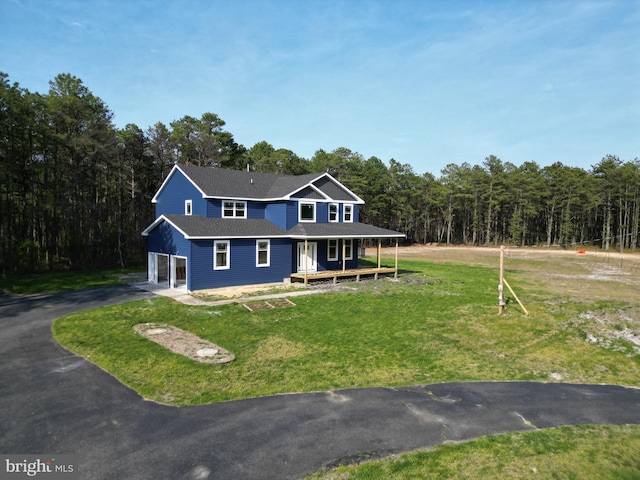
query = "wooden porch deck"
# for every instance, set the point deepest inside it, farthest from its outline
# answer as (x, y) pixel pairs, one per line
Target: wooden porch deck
(335, 274)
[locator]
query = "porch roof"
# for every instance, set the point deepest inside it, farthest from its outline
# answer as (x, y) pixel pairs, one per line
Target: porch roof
(340, 230)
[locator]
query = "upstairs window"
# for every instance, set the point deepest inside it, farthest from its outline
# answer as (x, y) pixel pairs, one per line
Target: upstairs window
(347, 215)
(233, 209)
(307, 212)
(188, 207)
(333, 212)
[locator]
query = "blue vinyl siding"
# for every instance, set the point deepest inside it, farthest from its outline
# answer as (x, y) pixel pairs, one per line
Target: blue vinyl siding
(276, 213)
(291, 215)
(243, 269)
(214, 209)
(176, 191)
(256, 209)
(166, 239)
(322, 212)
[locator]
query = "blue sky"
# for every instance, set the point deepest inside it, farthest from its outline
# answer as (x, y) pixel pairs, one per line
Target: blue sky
(424, 82)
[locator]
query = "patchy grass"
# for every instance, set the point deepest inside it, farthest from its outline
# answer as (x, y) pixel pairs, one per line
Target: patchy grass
(601, 452)
(438, 323)
(66, 281)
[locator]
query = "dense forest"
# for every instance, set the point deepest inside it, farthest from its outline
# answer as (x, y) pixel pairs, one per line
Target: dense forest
(75, 191)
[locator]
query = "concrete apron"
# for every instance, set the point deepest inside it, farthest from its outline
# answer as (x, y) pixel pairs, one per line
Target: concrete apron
(235, 294)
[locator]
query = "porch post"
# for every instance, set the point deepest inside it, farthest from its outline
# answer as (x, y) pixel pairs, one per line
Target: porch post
(395, 275)
(306, 260)
(344, 254)
(379, 250)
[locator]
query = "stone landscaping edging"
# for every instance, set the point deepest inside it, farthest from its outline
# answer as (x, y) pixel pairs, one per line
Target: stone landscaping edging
(184, 343)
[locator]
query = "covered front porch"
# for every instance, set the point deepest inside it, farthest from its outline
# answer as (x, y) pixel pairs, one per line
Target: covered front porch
(308, 273)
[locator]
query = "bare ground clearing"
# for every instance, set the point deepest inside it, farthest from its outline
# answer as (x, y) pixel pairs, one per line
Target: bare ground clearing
(554, 276)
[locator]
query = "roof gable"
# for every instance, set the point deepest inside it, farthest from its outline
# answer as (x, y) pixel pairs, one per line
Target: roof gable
(334, 189)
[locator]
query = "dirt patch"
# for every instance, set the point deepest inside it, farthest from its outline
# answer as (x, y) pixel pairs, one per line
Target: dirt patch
(184, 343)
(603, 328)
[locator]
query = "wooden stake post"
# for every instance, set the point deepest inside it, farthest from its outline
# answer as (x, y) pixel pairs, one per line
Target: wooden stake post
(503, 281)
(501, 302)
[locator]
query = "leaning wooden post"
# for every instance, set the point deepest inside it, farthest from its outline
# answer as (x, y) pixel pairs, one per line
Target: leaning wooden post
(501, 303)
(395, 275)
(516, 296)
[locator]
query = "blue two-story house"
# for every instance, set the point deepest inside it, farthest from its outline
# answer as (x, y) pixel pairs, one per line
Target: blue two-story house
(217, 228)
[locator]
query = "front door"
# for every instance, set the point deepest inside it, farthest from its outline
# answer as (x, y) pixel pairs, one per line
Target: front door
(310, 261)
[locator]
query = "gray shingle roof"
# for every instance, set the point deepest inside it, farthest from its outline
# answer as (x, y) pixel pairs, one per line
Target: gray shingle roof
(220, 182)
(197, 226)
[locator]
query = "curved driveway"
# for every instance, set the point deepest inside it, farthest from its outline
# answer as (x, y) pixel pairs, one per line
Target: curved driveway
(52, 401)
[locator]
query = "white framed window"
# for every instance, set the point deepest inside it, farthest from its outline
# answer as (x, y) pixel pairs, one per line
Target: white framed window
(348, 249)
(306, 212)
(221, 255)
(234, 209)
(333, 212)
(347, 213)
(332, 250)
(263, 253)
(188, 207)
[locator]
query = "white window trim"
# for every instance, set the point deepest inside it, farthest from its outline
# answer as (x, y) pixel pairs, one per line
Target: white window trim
(188, 207)
(349, 255)
(234, 208)
(329, 257)
(215, 254)
(300, 219)
(344, 212)
(337, 206)
(258, 264)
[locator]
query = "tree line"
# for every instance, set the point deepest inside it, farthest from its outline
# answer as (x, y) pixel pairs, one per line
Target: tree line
(75, 191)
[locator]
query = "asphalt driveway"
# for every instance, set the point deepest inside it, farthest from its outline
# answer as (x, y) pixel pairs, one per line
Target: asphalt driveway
(54, 402)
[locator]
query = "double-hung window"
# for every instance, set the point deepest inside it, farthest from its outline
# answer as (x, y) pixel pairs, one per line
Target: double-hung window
(234, 209)
(188, 207)
(333, 212)
(347, 213)
(221, 255)
(263, 253)
(348, 249)
(307, 212)
(332, 250)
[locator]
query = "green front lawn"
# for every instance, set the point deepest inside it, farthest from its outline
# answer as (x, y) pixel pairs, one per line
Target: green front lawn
(580, 452)
(438, 323)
